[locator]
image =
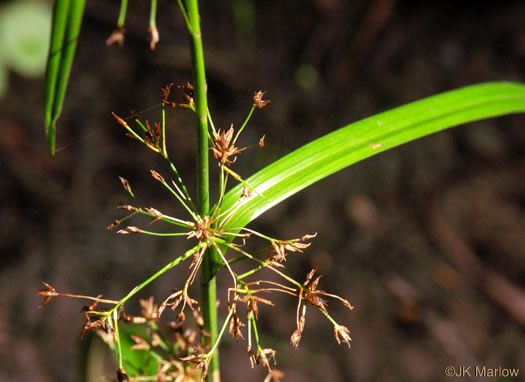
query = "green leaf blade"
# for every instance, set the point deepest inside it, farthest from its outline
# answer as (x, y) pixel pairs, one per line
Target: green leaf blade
(67, 19)
(58, 30)
(369, 137)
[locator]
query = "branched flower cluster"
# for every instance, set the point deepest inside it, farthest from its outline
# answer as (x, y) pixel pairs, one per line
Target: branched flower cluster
(182, 357)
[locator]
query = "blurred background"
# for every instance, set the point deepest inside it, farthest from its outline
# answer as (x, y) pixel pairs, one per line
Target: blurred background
(427, 240)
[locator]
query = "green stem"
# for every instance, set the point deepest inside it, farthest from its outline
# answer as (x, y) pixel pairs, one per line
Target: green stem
(209, 296)
(201, 106)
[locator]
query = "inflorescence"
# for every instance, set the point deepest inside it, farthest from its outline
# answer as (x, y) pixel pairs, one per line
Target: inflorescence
(186, 358)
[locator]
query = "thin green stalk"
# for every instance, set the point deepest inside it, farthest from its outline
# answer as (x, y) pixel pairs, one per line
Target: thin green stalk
(117, 339)
(249, 333)
(135, 290)
(244, 124)
(184, 192)
(165, 218)
(329, 317)
(180, 199)
(142, 126)
(209, 296)
(255, 332)
(122, 13)
(251, 272)
(153, 14)
(222, 189)
(184, 15)
(223, 329)
(164, 151)
(211, 123)
(163, 234)
(237, 177)
(267, 265)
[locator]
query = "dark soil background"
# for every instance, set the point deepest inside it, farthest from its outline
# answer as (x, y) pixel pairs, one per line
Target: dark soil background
(427, 241)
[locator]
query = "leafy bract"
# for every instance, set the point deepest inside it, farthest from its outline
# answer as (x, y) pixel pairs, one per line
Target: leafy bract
(357, 141)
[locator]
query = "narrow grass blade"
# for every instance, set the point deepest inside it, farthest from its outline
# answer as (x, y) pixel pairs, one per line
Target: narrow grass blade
(369, 137)
(58, 30)
(67, 19)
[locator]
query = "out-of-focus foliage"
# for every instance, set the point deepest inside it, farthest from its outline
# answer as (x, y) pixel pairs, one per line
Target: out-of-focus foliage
(24, 39)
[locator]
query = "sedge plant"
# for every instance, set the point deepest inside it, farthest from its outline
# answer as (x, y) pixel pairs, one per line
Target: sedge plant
(215, 226)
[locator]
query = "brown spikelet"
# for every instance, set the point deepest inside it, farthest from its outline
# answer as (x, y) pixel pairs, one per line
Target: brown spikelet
(252, 356)
(156, 214)
(48, 292)
(165, 93)
(235, 326)
(117, 37)
(157, 176)
(152, 136)
(113, 225)
(224, 147)
(340, 330)
(258, 101)
(181, 317)
(252, 304)
(264, 356)
(129, 229)
(90, 326)
(140, 343)
(282, 247)
(120, 120)
(316, 301)
(295, 338)
(309, 276)
(308, 236)
(149, 309)
(199, 321)
(347, 304)
(125, 184)
(153, 37)
(188, 93)
(126, 207)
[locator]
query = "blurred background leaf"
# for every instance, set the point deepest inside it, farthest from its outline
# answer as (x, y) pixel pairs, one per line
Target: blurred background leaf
(24, 37)
(4, 80)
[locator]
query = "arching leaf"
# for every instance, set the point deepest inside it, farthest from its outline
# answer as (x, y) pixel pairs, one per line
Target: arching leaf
(371, 136)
